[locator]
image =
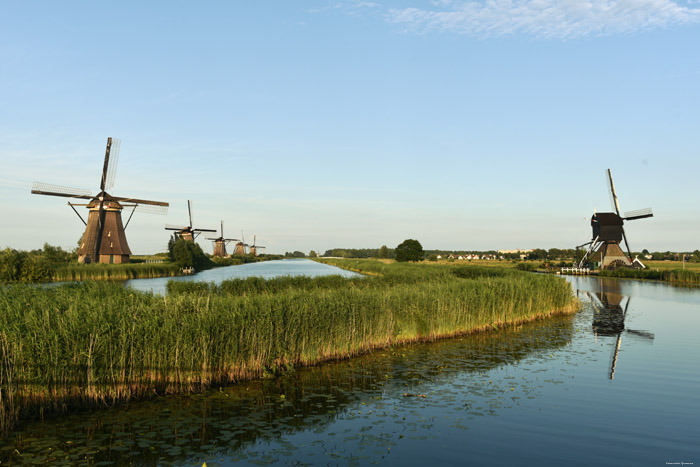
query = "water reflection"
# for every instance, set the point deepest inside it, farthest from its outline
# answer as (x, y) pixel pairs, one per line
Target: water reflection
(370, 402)
(610, 307)
(265, 269)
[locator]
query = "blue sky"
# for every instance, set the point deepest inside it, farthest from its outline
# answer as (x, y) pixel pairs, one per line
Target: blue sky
(316, 124)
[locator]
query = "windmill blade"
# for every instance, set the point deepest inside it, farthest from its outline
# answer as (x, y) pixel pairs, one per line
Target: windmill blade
(624, 237)
(613, 195)
(39, 188)
(203, 230)
(152, 209)
(174, 227)
(189, 210)
(643, 334)
(140, 201)
(613, 359)
(112, 165)
(595, 301)
(212, 238)
(103, 181)
(638, 214)
(222, 229)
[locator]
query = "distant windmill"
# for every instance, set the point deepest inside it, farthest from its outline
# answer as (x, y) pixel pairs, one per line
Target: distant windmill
(609, 319)
(188, 232)
(604, 249)
(221, 242)
(104, 239)
(240, 248)
(254, 248)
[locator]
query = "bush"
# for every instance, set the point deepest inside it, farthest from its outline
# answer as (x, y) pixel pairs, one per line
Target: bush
(189, 255)
(11, 264)
(35, 269)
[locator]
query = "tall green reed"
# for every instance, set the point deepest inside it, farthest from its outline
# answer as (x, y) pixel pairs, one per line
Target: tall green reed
(96, 344)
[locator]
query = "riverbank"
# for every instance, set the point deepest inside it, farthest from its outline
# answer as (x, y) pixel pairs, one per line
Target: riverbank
(95, 344)
(40, 266)
(671, 276)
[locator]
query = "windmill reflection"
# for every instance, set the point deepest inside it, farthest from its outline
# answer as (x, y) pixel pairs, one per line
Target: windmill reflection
(610, 310)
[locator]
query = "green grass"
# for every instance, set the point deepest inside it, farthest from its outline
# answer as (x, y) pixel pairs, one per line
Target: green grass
(671, 265)
(101, 271)
(672, 276)
(95, 344)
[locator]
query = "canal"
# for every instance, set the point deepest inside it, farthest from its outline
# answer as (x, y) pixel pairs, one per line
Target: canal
(615, 384)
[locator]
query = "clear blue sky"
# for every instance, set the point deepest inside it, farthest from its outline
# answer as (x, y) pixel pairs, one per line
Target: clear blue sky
(318, 124)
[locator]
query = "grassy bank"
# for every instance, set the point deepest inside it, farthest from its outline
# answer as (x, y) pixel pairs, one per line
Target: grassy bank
(101, 271)
(672, 276)
(96, 344)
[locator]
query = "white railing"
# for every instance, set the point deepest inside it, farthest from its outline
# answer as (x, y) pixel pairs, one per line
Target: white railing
(575, 271)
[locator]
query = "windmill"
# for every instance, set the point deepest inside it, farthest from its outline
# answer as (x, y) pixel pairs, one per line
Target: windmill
(609, 319)
(221, 242)
(604, 249)
(254, 248)
(240, 247)
(188, 232)
(104, 239)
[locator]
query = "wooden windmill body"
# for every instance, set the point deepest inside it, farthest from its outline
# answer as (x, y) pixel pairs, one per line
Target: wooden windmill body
(254, 248)
(221, 242)
(104, 239)
(605, 250)
(240, 247)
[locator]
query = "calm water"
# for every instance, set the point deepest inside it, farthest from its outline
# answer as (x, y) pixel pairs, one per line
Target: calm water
(266, 269)
(616, 384)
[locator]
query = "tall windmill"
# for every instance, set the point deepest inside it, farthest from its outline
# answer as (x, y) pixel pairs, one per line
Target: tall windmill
(104, 239)
(608, 232)
(609, 319)
(254, 248)
(221, 242)
(188, 232)
(240, 248)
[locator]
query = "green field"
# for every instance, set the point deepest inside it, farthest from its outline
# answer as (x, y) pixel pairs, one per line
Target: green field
(95, 344)
(672, 265)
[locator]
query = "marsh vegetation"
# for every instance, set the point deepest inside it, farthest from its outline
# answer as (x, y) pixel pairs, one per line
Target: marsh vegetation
(95, 344)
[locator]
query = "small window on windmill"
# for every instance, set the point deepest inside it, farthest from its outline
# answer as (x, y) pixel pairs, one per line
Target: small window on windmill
(109, 234)
(82, 245)
(111, 245)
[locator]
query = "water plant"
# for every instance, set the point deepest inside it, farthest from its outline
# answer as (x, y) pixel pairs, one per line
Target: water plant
(96, 344)
(672, 276)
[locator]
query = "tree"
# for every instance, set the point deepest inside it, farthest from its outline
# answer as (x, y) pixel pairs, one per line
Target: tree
(409, 250)
(312, 254)
(295, 254)
(189, 255)
(383, 252)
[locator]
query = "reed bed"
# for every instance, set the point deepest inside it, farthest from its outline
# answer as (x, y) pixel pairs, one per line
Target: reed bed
(672, 276)
(100, 271)
(96, 344)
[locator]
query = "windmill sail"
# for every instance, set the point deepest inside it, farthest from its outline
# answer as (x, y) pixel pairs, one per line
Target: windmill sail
(104, 239)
